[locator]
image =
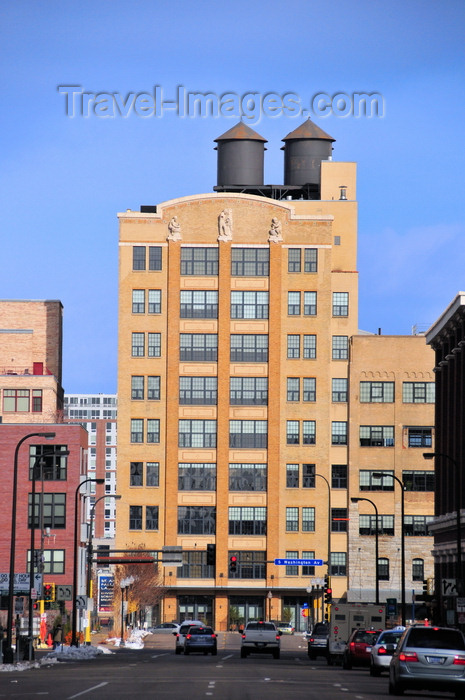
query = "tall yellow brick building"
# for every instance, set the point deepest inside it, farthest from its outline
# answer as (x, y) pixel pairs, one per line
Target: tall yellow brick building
(236, 314)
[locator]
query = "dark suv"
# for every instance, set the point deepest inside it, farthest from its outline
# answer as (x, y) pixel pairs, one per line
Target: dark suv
(358, 649)
(318, 641)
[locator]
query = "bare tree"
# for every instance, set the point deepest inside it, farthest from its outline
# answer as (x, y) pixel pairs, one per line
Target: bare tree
(147, 588)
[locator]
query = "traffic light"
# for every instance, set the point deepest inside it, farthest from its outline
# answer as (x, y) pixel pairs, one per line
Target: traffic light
(211, 554)
(232, 564)
(328, 591)
(49, 592)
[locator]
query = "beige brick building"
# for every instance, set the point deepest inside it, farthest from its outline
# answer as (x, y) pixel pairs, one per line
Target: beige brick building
(236, 314)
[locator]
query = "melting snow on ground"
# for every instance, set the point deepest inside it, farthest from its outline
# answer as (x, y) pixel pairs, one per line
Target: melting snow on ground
(81, 653)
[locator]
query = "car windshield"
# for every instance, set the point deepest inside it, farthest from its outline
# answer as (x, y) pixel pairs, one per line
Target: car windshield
(320, 628)
(200, 630)
(389, 638)
(365, 637)
(433, 638)
(261, 626)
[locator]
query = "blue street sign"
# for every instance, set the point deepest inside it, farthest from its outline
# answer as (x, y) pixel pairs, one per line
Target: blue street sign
(298, 562)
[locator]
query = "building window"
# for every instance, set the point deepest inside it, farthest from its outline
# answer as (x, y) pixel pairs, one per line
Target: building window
(198, 347)
(293, 260)
(37, 400)
(51, 467)
(338, 564)
(292, 432)
(340, 347)
(248, 433)
(247, 477)
(309, 389)
(154, 301)
(197, 433)
(376, 436)
(153, 388)
(15, 400)
(369, 482)
(249, 348)
(155, 257)
(136, 477)
(308, 519)
(53, 510)
(292, 570)
(135, 517)
(151, 517)
(154, 344)
(194, 565)
(376, 392)
(367, 525)
(138, 257)
(138, 301)
(308, 476)
(311, 260)
(293, 347)
(293, 303)
(137, 430)
(249, 304)
(420, 437)
(309, 347)
(292, 519)
(137, 388)
(152, 477)
(245, 520)
(293, 389)
(308, 570)
(196, 476)
(339, 476)
(249, 564)
(292, 476)
(339, 390)
(308, 432)
(138, 344)
(339, 432)
(196, 520)
(309, 303)
(53, 560)
(245, 391)
(198, 391)
(340, 304)
(418, 392)
(383, 569)
(418, 480)
(339, 519)
(250, 262)
(417, 525)
(199, 304)
(153, 430)
(202, 262)
(418, 570)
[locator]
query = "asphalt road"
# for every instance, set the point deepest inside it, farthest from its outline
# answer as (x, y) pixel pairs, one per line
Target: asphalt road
(156, 672)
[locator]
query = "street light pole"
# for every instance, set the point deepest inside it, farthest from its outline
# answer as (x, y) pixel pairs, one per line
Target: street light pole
(74, 641)
(8, 654)
(356, 500)
(380, 475)
(329, 542)
(38, 461)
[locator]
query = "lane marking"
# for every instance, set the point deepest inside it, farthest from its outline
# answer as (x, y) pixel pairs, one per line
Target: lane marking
(89, 690)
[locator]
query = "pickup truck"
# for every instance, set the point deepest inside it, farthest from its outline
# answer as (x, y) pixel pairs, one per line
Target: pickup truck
(260, 638)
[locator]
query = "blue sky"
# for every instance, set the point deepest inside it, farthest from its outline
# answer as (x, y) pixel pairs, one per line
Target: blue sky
(63, 179)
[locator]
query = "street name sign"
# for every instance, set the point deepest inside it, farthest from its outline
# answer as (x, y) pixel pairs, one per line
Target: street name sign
(298, 562)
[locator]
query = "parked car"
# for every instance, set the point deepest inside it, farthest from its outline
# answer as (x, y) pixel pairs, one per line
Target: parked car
(181, 633)
(429, 657)
(285, 628)
(358, 648)
(317, 641)
(164, 628)
(200, 638)
(382, 651)
(261, 638)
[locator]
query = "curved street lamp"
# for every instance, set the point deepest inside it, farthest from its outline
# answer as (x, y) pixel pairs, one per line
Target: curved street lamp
(356, 500)
(8, 653)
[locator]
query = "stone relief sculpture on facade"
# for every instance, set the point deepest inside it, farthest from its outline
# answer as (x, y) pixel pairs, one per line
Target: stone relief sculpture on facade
(174, 228)
(225, 225)
(275, 232)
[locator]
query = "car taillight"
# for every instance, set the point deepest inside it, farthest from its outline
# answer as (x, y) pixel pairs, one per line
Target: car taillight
(459, 660)
(188, 636)
(277, 636)
(352, 646)
(311, 639)
(408, 656)
(382, 650)
(243, 636)
(177, 636)
(213, 636)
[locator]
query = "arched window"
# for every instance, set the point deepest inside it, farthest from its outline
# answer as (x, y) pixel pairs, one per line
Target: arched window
(383, 569)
